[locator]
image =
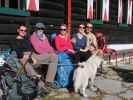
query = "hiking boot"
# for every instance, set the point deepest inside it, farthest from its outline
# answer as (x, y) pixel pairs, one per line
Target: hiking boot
(52, 85)
(37, 98)
(42, 90)
(36, 77)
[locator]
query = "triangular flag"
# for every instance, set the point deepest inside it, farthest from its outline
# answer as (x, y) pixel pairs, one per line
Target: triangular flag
(120, 11)
(89, 9)
(90, 13)
(129, 12)
(105, 10)
(32, 5)
(105, 15)
(129, 19)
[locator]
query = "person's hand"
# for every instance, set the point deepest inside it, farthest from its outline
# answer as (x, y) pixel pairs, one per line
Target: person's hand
(70, 50)
(84, 50)
(73, 40)
(26, 56)
(92, 48)
(34, 61)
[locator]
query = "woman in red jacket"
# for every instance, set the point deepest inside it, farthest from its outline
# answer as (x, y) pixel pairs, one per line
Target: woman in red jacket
(63, 41)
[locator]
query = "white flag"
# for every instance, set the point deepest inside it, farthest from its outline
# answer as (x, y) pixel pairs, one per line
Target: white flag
(32, 5)
(89, 9)
(105, 10)
(129, 13)
(120, 11)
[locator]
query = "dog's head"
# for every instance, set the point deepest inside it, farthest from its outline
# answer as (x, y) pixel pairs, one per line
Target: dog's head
(98, 53)
(97, 57)
(81, 65)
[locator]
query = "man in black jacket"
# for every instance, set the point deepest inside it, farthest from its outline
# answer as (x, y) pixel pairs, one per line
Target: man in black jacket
(24, 50)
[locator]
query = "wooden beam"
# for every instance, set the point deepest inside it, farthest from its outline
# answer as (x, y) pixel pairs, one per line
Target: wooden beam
(69, 15)
(11, 11)
(19, 5)
(0, 3)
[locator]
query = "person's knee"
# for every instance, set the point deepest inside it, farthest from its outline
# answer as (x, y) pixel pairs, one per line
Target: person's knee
(54, 57)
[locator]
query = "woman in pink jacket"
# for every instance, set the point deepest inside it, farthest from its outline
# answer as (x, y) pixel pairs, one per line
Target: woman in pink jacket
(44, 53)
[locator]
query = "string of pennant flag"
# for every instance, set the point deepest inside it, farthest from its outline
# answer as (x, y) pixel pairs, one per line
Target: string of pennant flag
(33, 5)
(105, 10)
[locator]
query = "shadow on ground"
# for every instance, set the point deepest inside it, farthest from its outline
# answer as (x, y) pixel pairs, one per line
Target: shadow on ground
(61, 96)
(125, 74)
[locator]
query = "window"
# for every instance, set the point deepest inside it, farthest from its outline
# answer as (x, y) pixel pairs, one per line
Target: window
(97, 9)
(13, 3)
(17, 4)
(125, 5)
(113, 11)
(2, 2)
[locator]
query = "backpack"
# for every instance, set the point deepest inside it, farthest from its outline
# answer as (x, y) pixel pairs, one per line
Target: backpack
(52, 39)
(101, 40)
(64, 71)
(102, 44)
(16, 88)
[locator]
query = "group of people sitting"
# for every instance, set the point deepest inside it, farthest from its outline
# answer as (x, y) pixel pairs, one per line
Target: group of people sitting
(37, 47)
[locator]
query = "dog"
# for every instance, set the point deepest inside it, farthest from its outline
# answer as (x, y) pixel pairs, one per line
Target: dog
(1, 93)
(85, 71)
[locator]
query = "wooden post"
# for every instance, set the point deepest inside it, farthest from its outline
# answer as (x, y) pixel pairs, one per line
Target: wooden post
(69, 15)
(96, 9)
(0, 3)
(19, 5)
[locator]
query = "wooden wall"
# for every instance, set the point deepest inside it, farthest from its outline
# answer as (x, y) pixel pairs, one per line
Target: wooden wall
(54, 12)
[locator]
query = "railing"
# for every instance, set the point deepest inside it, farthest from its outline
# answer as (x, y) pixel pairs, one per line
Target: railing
(119, 56)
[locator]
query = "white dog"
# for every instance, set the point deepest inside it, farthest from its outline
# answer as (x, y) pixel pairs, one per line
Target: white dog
(86, 70)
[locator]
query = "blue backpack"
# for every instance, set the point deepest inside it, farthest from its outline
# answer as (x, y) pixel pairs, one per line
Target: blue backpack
(52, 39)
(65, 70)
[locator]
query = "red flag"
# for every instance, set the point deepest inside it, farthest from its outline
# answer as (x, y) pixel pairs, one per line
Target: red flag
(129, 20)
(120, 11)
(129, 12)
(89, 9)
(105, 10)
(90, 13)
(33, 5)
(105, 15)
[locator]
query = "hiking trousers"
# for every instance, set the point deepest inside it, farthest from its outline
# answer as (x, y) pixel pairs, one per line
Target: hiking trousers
(50, 58)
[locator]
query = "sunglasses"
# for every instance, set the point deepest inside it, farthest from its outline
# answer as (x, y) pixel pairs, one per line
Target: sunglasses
(63, 29)
(23, 30)
(40, 28)
(89, 27)
(82, 27)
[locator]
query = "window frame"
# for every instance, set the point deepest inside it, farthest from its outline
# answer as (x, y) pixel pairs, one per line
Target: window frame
(20, 10)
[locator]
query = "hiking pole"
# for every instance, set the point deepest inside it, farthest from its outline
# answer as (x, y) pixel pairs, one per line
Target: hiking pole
(21, 70)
